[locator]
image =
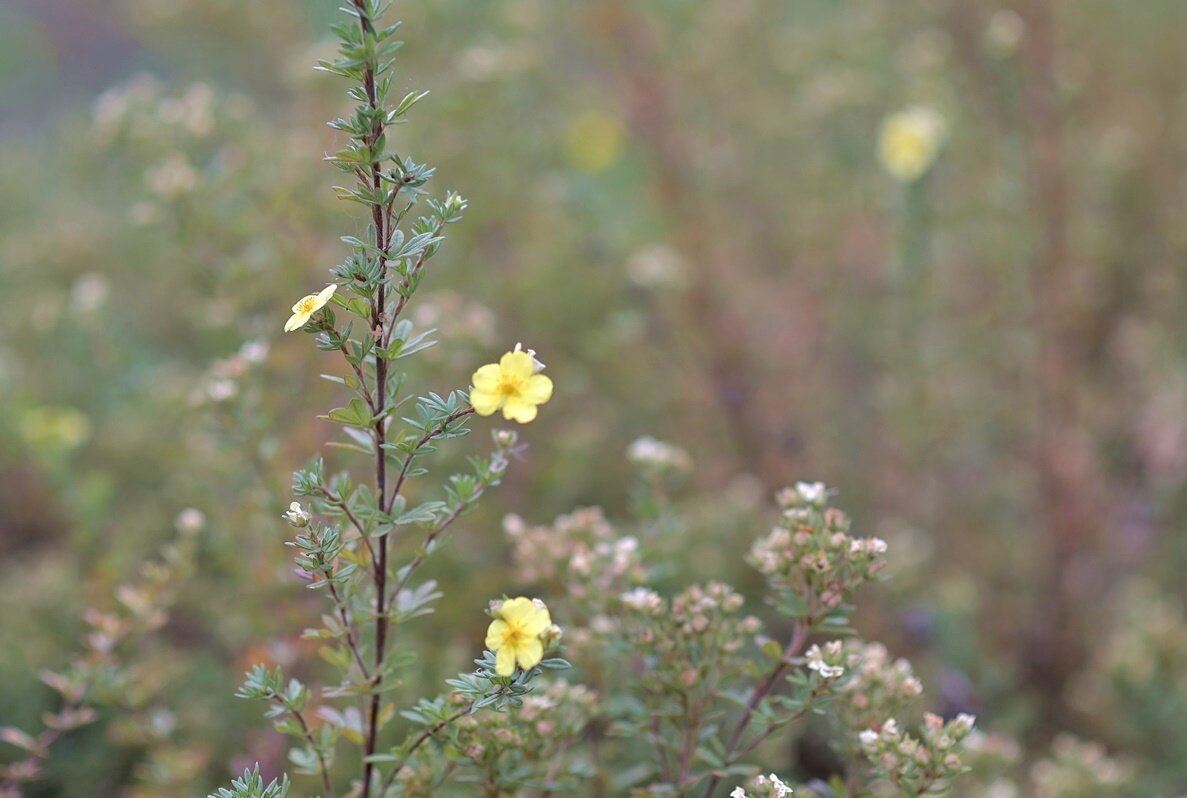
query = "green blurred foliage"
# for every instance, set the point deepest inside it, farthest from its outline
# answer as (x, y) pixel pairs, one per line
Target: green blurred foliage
(679, 205)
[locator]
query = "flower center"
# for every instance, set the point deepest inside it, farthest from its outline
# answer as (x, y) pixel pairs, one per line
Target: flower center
(509, 386)
(513, 636)
(307, 304)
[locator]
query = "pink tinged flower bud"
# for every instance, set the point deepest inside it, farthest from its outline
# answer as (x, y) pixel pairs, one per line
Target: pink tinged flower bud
(963, 724)
(475, 750)
(545, 728)
(689, 677)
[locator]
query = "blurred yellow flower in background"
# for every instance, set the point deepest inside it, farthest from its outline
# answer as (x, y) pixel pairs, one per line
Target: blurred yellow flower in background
(55, 427)
(594, 141)
(513, 384)
(516, 634)
(909, 142)
(308, 305)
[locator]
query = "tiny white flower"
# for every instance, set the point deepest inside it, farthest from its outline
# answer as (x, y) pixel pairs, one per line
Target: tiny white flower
(297, 515)
(780, 789)
(738, 793)
(642, 600)
(815, 659)
(812, 492)
(869, 738)
(532, 354)
(190, 520)
(964, 723)
(254, 351)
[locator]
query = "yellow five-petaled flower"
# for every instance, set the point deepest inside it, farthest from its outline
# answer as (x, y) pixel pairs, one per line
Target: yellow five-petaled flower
(512, 384)
(516, 635)
(308, 305)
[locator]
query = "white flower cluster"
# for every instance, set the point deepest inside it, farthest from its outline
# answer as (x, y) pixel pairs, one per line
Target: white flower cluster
(826, 661)
(651, 453)
(930, 761)
(643, 600)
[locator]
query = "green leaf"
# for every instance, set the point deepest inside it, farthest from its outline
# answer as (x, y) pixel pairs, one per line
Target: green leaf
(355, 414)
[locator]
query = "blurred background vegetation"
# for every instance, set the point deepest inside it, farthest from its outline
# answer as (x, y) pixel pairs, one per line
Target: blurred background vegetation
(680, 206)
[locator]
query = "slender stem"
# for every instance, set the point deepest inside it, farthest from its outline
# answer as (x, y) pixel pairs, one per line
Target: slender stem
(416, 268)
(341, 505)
(418, 560)
(554, 770)
(424, 440)
(358, 372)
(349, 624)
(378, 310)
(322, 766)
(665, 767)
(688, 743)
(799, 637)
(420, 740)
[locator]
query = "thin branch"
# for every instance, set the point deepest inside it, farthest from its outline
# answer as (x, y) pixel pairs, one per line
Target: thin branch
(407, 281)
(417, 561)
(799, 637)
(341, 504)
(358, 372)
(420, 740)
(322, 766)
(378, 310)
(350, 639)
(424, 440)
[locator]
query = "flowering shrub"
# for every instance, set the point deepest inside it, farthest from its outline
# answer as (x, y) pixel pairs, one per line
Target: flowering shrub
(647, 644)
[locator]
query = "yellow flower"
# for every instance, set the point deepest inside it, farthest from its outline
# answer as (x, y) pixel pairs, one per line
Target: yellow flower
(517, 633)
(308, 305)
(910, 141)
(513, 384)
(594, 141)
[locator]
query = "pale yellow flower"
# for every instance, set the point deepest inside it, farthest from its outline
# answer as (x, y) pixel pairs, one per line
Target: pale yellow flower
(512, 384)
(516, 635)
(909, 142)
(308, 305)
(594, 141)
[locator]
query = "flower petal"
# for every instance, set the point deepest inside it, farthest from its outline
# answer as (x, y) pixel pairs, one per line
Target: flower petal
(485, 402)
(517, 609)
(517, 365)
(517, 409)
(300, 304)
(495, 634)
(537, 389)
(505, 661)
(296, 321)
(324, 295)
(488, 378)
(535, 625)
(529, 653)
